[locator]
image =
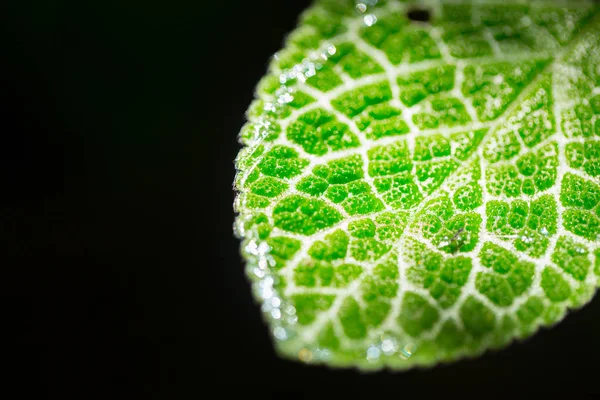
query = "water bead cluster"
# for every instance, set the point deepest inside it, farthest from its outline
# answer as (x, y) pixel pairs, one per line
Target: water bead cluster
(282, 314)
(257, 251)
(304, 70)
(389, 346)
(260, 262)
(362, 7)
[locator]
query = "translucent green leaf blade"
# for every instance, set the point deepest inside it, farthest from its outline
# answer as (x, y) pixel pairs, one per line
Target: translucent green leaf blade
(412, 192)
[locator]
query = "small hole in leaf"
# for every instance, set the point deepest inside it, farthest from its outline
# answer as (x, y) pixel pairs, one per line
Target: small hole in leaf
(419, 14)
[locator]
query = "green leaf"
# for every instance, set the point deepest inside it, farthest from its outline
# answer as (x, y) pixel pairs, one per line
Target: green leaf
(411, 192)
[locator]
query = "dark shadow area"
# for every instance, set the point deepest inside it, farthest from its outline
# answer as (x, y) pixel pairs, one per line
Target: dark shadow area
(419, 14)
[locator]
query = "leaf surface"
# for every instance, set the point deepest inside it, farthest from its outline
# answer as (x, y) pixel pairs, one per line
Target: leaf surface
(415, 192)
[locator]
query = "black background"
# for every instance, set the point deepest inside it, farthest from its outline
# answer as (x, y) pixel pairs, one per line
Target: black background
(120, 274)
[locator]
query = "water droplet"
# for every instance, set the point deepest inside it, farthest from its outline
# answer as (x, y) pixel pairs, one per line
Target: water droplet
(370, 19)
(263, 124)
(305, 355)
(406, 351)
(322, 354)
(285, 98)
(544, 231)
(258, 272)
(290, 75)
(266, 292)
(388, 346)
(263, 248)
(266, 307)
(443, 244)
(238, 229)
(525, 21)
(579, 250)
(276, 313)
(280, 333)
(252, 248)
(373, 353)
(262, 263)
(361, 7)
(275, 301)
(527, 239)
(290, 310)
(331, 49)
